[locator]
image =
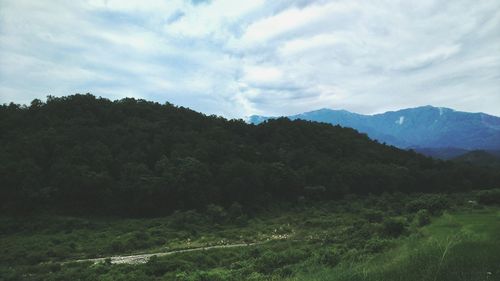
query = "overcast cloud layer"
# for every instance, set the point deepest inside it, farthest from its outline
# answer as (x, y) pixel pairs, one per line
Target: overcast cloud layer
(237, 58)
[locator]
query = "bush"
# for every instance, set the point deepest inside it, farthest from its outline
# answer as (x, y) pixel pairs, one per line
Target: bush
(489, 197)
(434, 203)
(186, 220)
(374, 215)
(236, 214)
(54, 267)
(117, 246)
(216, 213)
(393, 227)
(235, 210)
(423, 217)
(138, 240)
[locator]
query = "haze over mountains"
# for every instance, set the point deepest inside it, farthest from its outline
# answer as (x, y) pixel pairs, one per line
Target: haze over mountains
(430, 130)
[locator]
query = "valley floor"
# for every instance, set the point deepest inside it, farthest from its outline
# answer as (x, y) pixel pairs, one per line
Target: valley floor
(389, 237)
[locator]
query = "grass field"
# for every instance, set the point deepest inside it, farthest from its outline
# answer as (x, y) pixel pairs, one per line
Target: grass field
(460, 246)
(379, 238)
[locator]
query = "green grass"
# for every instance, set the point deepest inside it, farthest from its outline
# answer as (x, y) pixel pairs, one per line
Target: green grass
(337, 240)
(462, 246)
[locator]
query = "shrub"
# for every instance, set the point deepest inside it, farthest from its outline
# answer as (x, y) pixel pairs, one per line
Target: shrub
(216, 213)
(235, 210)
(374, 215)
(186, 219)
(138, 240)
(489, 197)
(393, 227)
(54, 267)
(423, 217)
(434, 203)
(117, 246)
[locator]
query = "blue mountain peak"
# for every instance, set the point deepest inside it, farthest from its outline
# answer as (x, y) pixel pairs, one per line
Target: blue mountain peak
(424, 126)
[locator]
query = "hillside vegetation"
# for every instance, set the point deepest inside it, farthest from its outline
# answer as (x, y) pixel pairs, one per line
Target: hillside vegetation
(86, 155)
(205, 198)
(417, 237)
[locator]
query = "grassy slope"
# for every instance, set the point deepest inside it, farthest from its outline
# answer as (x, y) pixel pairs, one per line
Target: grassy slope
(459, 246)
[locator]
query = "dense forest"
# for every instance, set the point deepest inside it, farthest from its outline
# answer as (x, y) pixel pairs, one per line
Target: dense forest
(85, 155)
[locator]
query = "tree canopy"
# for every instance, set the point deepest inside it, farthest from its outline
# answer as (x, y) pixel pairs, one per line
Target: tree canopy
(83, 154)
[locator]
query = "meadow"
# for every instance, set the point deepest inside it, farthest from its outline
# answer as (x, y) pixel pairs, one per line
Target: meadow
(387, 237)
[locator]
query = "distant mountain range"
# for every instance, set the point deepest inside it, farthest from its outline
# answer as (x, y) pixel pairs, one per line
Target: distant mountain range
(435, 131)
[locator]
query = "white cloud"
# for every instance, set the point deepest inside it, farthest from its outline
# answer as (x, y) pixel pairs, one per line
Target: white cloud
(238, 58)
(260, 74)
(211, 19)
(290, 20)
(301, 45)
(435, 55)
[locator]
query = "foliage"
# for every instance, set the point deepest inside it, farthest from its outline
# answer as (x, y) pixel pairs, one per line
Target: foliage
(489, 197)
(393, 227)
(462, 246)
(423, 217)
(85, 155)
(434, 203)
(292, 241)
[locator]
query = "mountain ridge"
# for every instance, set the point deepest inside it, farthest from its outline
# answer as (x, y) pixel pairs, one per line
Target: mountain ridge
(419, 127)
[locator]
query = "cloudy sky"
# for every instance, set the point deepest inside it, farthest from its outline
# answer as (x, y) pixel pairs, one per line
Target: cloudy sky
(237, 58)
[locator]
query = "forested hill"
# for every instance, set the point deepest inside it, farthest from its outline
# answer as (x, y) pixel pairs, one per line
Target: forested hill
(82, 154)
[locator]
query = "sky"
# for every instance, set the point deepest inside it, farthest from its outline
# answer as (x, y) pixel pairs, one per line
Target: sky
(238, 58)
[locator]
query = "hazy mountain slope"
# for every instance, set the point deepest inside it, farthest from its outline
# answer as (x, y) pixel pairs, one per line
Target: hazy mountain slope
(480, 157)
(444, 153)
(424, 127)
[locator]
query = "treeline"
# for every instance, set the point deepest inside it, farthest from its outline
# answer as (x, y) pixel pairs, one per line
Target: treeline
(82, 154)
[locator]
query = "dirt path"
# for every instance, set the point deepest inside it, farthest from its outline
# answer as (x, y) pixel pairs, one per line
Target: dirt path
(143, 258)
